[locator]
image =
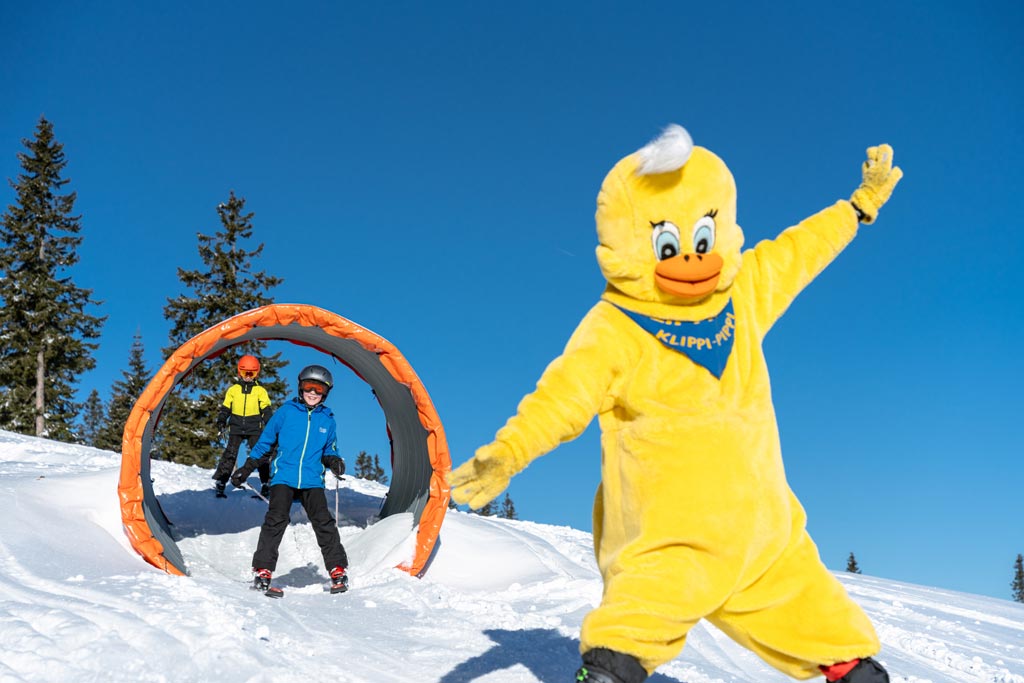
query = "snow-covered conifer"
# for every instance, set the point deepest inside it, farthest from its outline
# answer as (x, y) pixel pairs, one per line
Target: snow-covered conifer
(46, 330)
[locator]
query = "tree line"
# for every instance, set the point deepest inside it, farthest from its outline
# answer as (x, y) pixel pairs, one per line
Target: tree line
(1016, 585)
(51, 326)
(505, 510)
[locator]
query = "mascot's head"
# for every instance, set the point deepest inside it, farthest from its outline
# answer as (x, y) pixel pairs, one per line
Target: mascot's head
(666, 223)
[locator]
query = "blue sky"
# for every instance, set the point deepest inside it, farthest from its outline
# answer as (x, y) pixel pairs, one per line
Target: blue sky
(429, 170)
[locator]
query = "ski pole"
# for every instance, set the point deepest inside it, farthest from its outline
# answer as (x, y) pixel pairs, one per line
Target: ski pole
(336, 501)
(257, 492)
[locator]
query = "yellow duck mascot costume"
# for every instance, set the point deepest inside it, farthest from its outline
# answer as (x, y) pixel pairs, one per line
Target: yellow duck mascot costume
(694, 518)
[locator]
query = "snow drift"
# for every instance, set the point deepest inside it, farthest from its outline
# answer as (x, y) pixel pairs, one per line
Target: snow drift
(501, 603)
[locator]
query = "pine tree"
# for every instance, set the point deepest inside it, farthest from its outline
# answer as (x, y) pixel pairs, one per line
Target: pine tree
(123, 395)
(225, 287)
(93, 417)
(851, 564)
(486, 510)
(1018, 579)
(378, 471)
(363, 465)
(369, 468)
(508, 508)
(46, 330)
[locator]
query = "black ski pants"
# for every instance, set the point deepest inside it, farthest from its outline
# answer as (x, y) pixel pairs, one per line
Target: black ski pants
(226, 464)
(314, 502)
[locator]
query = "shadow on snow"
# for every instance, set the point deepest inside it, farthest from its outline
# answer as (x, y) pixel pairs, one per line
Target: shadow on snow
(547, 654)
(195, 513)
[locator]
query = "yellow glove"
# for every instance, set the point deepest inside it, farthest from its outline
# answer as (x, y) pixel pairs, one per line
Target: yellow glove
(483, 477)
(880, 177)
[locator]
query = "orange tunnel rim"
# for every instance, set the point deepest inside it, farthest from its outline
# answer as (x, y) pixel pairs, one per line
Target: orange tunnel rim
(422, 460)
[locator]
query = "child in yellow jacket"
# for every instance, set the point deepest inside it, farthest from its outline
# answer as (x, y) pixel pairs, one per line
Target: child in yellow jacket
(246, 409)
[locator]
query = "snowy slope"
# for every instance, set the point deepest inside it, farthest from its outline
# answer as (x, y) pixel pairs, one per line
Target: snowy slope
(502, 601)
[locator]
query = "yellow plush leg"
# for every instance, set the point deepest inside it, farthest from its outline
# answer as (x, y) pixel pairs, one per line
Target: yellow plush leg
(652, 600)
(797, 616)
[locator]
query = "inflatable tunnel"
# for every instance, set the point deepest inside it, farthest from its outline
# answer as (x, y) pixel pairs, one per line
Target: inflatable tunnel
(419, 449)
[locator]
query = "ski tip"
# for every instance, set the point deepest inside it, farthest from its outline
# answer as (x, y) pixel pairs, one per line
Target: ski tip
(273, 592)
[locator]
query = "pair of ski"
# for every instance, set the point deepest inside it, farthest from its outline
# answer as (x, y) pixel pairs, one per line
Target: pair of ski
(275, 592)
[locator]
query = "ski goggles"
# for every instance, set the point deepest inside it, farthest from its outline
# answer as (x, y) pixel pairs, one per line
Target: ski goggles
(313, 387)
(249, 374)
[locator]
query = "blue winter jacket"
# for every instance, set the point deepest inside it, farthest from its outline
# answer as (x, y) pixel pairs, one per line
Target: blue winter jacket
(303, 437)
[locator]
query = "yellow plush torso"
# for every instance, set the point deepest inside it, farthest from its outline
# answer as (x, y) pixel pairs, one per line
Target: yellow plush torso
(686, 457)
(680, 447)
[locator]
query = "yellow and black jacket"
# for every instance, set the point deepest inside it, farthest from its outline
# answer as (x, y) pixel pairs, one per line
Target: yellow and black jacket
(245, 410)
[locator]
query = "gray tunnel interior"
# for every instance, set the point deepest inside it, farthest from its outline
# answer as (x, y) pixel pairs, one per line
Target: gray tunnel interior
(411, 468)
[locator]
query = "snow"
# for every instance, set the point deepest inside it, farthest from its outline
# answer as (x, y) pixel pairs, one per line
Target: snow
(502, 601)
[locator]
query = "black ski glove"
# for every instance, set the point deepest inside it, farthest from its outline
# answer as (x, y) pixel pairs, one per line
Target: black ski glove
(335, 464)
(243, 472)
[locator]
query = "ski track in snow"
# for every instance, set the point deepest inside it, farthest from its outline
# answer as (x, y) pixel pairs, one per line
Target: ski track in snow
(501, 602)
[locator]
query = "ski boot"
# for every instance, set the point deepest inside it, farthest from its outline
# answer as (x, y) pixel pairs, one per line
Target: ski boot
(866, 670)
(339, 580)
(601, 665)
(219, 486)
(261, 579)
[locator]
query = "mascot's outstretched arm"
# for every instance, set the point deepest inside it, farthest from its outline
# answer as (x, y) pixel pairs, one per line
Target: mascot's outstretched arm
(568, 395)
(784, 266)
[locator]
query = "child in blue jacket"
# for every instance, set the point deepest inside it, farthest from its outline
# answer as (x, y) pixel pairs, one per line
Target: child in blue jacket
(306, 436)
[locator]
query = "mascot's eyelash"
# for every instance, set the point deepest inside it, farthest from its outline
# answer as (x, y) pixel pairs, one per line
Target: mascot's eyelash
(712, 213)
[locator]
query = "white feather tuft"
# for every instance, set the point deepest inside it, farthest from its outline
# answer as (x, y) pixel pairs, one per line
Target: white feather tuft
(668, 152)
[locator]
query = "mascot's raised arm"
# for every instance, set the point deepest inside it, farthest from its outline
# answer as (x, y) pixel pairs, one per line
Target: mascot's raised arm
(694, 518)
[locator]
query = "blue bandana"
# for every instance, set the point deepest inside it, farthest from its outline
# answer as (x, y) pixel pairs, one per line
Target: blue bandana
(707, 343)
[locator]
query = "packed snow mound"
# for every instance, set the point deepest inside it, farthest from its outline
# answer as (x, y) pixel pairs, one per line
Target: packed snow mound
(517, 554)
(501, 602)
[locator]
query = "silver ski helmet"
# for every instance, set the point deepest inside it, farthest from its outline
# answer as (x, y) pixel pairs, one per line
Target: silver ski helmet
(316, 374)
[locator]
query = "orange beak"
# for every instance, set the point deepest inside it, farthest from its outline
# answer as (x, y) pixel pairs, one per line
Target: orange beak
(691, 276)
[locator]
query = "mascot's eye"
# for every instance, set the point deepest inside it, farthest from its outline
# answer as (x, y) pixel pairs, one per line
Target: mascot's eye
(665, 239)
(704, 234)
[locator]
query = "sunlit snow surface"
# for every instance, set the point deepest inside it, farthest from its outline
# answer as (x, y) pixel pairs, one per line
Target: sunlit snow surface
(501, 601)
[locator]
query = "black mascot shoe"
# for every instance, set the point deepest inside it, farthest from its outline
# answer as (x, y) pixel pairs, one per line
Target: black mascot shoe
(602, 665)
(591, 674)
(866, 671)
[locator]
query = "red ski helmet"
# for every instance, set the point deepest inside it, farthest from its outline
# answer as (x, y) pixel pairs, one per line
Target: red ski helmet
(248, 367)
